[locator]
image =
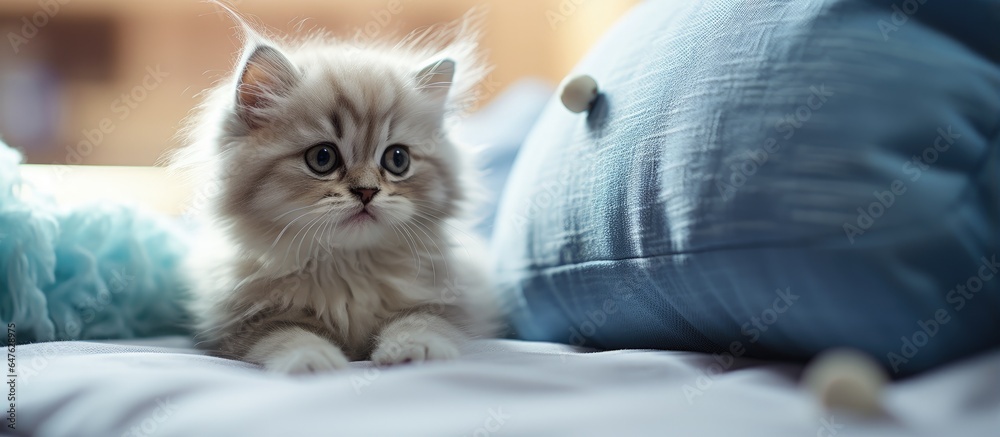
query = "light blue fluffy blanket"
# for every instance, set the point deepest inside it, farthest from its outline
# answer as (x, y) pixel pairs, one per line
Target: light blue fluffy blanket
(99, 272)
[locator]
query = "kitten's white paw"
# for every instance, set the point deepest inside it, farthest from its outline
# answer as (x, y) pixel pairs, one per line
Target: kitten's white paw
(414, 348)
(312, 358)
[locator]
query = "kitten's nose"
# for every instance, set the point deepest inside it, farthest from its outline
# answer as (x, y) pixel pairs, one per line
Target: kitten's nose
(365, 194)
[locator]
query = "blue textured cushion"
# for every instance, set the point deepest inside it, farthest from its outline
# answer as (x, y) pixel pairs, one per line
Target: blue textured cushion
(770, 179)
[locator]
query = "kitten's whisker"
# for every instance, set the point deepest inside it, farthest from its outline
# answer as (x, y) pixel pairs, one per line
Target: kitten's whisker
(319, 222)
(296, 209)
(436, 218)
(428, 212)
(407, 239)
(324, 220)
(296, 236)
(425, 230)
(438, 215)
(417, 238)
(455, 238)
(298, 251)
(329, 233)
(282, 233)
(330, 228)
(436, 85)
(316, 234)
(413, 251)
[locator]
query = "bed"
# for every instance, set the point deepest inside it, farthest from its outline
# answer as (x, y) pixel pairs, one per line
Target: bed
(164, 387)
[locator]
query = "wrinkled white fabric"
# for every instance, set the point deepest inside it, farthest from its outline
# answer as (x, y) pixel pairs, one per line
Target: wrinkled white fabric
(500, 388)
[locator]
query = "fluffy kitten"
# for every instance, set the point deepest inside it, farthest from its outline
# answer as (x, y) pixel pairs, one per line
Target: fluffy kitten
(333, 185)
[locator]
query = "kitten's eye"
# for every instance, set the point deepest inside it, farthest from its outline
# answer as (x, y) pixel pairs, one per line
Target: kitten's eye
(323, 158)
(396, 159)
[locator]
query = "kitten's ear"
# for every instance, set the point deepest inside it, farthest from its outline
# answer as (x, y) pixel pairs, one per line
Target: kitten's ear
(435, 79)
(265, 74)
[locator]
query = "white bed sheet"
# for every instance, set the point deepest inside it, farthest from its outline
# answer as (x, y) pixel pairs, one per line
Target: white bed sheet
(499, 388)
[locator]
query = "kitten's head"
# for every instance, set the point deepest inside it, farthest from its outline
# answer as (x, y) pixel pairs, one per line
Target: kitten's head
(334, 143)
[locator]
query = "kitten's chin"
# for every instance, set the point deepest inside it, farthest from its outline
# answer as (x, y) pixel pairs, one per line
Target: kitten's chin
(361, 230)
(360, 220)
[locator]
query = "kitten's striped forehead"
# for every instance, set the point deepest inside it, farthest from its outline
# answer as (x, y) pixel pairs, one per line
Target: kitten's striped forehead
(365, 109)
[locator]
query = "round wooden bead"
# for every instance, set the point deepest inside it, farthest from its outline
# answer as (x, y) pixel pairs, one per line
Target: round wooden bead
(578, 92)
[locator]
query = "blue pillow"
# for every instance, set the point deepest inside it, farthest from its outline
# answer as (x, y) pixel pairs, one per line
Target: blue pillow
(769, 179)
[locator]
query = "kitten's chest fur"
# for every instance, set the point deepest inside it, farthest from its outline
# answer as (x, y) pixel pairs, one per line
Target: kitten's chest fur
(349, 293)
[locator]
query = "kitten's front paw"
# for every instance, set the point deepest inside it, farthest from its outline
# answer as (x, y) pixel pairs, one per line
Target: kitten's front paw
(312, 358)
(414, 349)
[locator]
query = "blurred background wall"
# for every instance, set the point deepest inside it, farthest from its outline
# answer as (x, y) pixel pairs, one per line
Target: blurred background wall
(109, 81)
